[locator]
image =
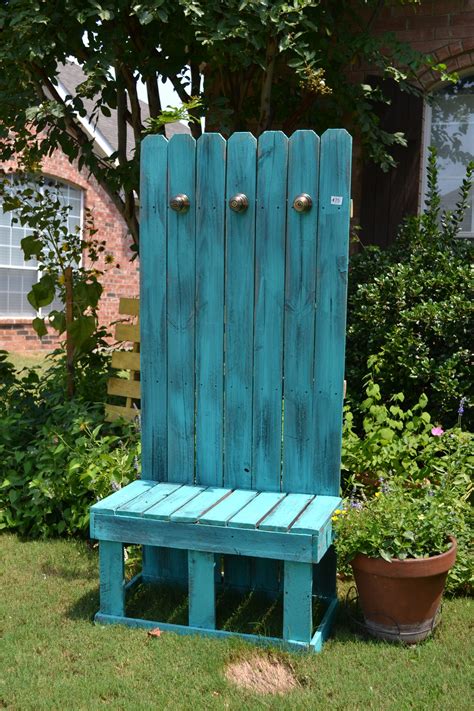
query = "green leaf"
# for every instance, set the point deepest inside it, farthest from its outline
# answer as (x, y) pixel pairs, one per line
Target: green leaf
(385, 555)
(39, 326)
(42, 293)
(81, 329)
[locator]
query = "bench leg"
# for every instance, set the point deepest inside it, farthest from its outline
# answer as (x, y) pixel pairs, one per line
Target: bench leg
(112, 582)
(297, 606)
(202, 607)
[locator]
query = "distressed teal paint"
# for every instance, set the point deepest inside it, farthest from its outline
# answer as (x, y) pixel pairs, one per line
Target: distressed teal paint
(210, 214)
(202, 606)
(240, 313)
(331, 299)
(297, 602)
(181, 310)
(239, 300)
(239, 305)
(300, 296)
(269, 295)
(153, 326)
(112, 579)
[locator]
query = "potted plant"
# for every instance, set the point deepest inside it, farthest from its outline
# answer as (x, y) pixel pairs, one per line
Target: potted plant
(401, 545)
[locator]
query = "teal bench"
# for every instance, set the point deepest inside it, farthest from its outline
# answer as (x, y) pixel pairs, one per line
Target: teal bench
(243, 262)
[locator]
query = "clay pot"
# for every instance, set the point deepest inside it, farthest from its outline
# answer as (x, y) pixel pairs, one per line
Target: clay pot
(400, 600)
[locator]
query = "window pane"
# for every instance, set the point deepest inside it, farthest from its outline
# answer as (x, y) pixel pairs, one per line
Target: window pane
(452, 133)
(16, 282)
(14, 286)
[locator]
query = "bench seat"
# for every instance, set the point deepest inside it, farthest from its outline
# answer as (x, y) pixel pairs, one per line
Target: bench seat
(241, 522)
(205, 521)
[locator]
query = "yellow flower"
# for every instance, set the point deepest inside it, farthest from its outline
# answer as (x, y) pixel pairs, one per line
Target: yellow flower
(379, 493)
(333, 518)
(337, 512)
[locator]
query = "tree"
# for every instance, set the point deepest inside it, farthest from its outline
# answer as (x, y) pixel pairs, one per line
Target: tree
(265, 64)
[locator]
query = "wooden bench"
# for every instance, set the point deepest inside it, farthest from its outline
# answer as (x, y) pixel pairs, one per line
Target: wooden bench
(243, 263)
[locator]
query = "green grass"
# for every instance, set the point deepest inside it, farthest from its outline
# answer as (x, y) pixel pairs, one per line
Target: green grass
(23, 360)
(53, 657)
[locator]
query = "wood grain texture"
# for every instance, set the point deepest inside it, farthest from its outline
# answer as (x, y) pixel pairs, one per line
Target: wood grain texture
(127, 332)
(269, 295)
(124, 495)
(181, 280)
(202, 607)
(223, 511)
(112, 581)
(138, 505)
(125, 360)
(286, 513)
(239, 300)
(239, 306)
(300, 300)
(210, 226)
(256, 510)
(130, 307)
(331, 299)
(213, 539)
(297, 602)
(153, 355)
(123, 387)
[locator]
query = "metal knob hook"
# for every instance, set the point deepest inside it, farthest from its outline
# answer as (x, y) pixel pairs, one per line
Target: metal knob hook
(239, 202)
(302, 203)
(180, 203)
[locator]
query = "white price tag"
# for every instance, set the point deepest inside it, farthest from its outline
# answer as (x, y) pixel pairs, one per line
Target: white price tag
(336, 200)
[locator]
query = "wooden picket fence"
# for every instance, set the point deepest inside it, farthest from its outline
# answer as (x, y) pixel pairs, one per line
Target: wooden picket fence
(126, 388)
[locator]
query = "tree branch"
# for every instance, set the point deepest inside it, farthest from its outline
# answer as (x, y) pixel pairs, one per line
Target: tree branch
(266, 93)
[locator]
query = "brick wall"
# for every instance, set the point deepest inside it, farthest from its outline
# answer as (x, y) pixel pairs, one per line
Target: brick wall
(122, 280)
(441, 28)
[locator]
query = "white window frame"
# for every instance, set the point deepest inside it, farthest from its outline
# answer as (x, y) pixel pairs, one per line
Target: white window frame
(42, 311)
(426, 141)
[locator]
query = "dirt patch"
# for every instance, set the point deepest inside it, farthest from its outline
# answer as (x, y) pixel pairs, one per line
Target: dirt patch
(262, 674)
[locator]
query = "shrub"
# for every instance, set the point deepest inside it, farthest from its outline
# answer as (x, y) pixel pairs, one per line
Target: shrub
(409, 309)
(59, 456)
(427, 472)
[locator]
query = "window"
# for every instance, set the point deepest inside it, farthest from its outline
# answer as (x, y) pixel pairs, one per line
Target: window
(450, 128)
(16, 275)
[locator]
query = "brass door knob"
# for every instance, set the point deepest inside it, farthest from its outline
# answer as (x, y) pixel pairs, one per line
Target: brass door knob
(302, 203)
(239, 202)
(180, 203)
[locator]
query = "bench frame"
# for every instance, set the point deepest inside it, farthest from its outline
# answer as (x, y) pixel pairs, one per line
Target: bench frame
(242, 314)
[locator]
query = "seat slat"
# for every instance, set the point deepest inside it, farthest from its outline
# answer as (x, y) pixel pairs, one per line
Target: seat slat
(316, 514)
(163, 510)
(256, 510)
(220, 514)
(149, 498)
(190, 512)
(286, 513)
(120, 497)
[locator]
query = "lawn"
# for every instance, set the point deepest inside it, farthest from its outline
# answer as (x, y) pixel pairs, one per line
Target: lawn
(28, 360)
(53, 657)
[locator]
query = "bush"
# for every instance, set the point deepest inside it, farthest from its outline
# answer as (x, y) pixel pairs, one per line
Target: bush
(59, 456)
(402, 452)
(410, 312)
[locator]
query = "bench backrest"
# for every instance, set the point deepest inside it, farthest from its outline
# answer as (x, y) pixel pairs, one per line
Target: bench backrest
(242, 313)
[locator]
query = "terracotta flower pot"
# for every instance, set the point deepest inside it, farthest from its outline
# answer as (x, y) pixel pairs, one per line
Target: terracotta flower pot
(400, 600)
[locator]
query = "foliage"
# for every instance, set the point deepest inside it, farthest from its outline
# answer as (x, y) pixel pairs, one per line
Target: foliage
(409, 308)
(58, 457)
(402, 522)
(398, 442)
(37, 204)
(407, 484)
(263, 64)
